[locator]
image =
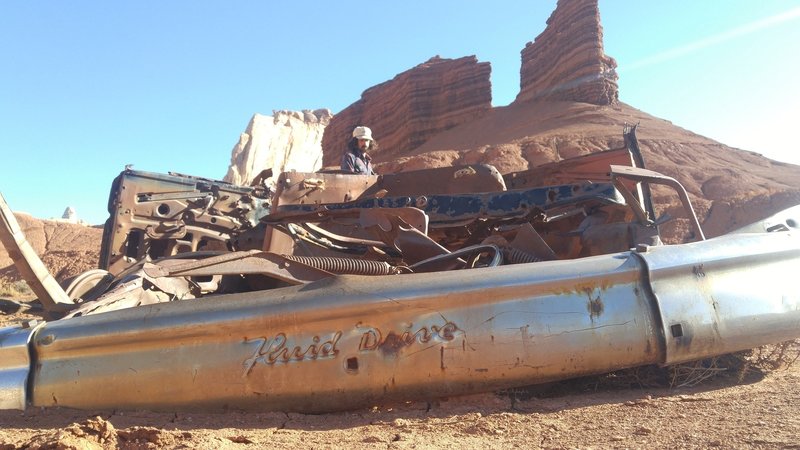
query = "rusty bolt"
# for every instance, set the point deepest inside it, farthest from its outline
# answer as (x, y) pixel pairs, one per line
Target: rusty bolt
(29, 323)
(642, 248)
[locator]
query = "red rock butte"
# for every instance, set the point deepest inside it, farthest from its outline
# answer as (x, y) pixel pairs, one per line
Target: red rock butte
(567, 61)
(414, 106)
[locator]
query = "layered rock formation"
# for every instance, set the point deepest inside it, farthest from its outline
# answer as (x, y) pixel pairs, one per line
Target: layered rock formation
(287, 140)
(566, 61)
(407, 110)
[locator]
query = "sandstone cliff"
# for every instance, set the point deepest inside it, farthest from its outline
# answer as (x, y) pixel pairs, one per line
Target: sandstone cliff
(566, 61)
(407, 110)
(287, 140)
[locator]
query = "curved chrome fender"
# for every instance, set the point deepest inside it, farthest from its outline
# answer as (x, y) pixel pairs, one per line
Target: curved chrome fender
(15, 365)
(728, 294)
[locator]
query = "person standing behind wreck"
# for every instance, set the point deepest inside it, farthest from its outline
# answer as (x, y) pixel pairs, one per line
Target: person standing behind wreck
(356, 159)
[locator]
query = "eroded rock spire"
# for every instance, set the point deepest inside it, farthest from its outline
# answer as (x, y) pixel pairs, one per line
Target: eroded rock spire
(566, 61)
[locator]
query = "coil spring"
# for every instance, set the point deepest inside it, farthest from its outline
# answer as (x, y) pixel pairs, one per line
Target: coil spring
(517, 256)
(348, 266)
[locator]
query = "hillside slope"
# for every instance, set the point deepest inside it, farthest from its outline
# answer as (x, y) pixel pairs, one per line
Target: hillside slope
(729, 187)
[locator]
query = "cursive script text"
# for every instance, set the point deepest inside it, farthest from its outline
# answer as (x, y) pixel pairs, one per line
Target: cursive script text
(391, 342)
(275, 350)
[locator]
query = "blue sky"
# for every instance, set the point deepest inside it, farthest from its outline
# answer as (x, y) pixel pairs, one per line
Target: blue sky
(87, 87)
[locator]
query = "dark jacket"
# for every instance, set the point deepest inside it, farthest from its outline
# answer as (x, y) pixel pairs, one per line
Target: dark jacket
(357, 161)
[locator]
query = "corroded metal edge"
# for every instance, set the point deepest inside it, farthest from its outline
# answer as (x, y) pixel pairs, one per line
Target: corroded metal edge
(15, 365)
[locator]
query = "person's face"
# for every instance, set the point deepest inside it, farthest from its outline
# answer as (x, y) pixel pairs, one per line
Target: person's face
(363, 144)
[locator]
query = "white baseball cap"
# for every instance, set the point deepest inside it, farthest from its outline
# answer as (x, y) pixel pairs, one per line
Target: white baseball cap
(362, 133)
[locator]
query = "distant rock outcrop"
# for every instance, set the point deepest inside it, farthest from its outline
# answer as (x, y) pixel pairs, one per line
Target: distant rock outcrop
(566, 61)
(287, 140)
(407, 110)
(70, 214)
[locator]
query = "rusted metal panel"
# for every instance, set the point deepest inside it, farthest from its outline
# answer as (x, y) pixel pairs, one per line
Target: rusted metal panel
(441, 180)
(314, 189)
(592, 167)
(445, 210)
(158, 215)
(353, 341)
(296, 188)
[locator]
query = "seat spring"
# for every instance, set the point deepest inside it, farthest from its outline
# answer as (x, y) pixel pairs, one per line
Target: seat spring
(516, 256)
(349, 266)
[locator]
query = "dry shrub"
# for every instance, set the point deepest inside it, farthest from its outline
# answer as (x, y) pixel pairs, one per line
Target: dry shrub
(738, 367)
(773, 357)
(16, 290)
(756, 362)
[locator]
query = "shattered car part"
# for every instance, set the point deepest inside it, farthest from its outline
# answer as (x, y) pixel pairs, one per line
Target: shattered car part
(158, 215)
(371, 289)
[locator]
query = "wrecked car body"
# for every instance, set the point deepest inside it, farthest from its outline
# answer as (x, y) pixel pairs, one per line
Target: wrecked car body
(156, 215)
(371, 289)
